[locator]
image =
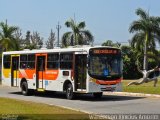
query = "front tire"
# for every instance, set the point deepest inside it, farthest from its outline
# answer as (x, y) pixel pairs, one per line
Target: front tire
(98, 95)
(69, 92)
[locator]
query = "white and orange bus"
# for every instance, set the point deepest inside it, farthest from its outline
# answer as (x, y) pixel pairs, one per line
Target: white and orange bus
(72, 70)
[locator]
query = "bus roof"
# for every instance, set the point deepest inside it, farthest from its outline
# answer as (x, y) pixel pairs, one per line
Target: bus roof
(80, 49)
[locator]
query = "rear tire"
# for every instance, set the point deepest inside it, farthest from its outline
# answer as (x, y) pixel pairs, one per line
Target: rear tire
(98, 95)
(69, 92)
(24, 88)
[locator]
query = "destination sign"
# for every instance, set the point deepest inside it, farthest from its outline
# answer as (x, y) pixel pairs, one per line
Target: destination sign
(104, 51)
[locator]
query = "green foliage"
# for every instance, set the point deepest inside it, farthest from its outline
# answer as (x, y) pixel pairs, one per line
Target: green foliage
(78, 35)
(7, 37)
(131, 57)
(147, 33)
(32, 41)
(129, 63)
(19, 39)
(50, 42)
(110, 43)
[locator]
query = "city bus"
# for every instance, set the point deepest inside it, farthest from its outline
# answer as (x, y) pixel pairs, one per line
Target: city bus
(70, 70)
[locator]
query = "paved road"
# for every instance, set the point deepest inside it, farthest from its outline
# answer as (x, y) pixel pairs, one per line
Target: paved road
(109, 104)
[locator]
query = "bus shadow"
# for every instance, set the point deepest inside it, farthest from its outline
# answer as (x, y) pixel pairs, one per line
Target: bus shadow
(107, 98)
(82, 97)
(47, 94)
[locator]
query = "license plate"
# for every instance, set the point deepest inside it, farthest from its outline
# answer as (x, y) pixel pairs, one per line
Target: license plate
(108, 87)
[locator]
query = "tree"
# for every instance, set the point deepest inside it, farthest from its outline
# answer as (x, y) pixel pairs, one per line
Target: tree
(28, 38)
(19, 39)
(7, 38)
(129, 66)
(78, 35)
(26, 43)
(32, 41)
(147, 31)
(110, 43)
(51, 40)
(36, 40)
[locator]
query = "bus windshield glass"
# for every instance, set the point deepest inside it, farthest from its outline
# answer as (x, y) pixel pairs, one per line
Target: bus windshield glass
(105, 65)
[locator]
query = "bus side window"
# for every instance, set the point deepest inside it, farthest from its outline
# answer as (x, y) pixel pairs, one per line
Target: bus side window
(23, 61)
(6, 61)
(66, 60)
(53, 61)
(31, 61)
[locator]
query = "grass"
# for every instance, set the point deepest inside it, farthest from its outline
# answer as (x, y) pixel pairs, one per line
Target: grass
(30, 110)
(143, 88)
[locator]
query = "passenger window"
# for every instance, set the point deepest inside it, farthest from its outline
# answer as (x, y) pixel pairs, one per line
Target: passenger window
(6, 61)
(53, 61)
(23, 61)
(66, 60)
(27, 61)
(31, 61)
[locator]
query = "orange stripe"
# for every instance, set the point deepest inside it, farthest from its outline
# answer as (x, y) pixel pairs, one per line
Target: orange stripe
(108, 82)
(51, 74)
(27, 73)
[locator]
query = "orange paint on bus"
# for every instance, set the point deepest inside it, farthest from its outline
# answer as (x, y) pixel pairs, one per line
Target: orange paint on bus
(108, 82)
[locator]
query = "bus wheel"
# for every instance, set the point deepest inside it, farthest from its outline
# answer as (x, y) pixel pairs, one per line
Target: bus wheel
(69, 92)
(24, 88)
(97, 95)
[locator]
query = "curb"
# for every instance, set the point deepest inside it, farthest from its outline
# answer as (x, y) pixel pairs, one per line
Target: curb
(132, 94)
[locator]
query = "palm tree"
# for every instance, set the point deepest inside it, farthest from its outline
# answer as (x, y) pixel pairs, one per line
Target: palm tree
(138, 40)
(147, 31)
(78, 35)
(7, 38)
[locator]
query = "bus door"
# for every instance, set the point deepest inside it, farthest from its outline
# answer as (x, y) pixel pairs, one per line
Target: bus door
(40, 71)
(15, 71)
(80, 70)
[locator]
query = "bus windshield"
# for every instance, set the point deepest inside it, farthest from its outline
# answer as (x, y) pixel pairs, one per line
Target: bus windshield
(105, 66)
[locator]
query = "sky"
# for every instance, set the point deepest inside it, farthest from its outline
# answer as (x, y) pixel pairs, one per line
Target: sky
(106, 19)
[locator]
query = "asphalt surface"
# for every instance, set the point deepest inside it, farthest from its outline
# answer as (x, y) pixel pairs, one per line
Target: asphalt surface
(108, 104)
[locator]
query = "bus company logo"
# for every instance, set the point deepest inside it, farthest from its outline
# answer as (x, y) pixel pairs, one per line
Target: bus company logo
(51, 72)
(105, 51)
